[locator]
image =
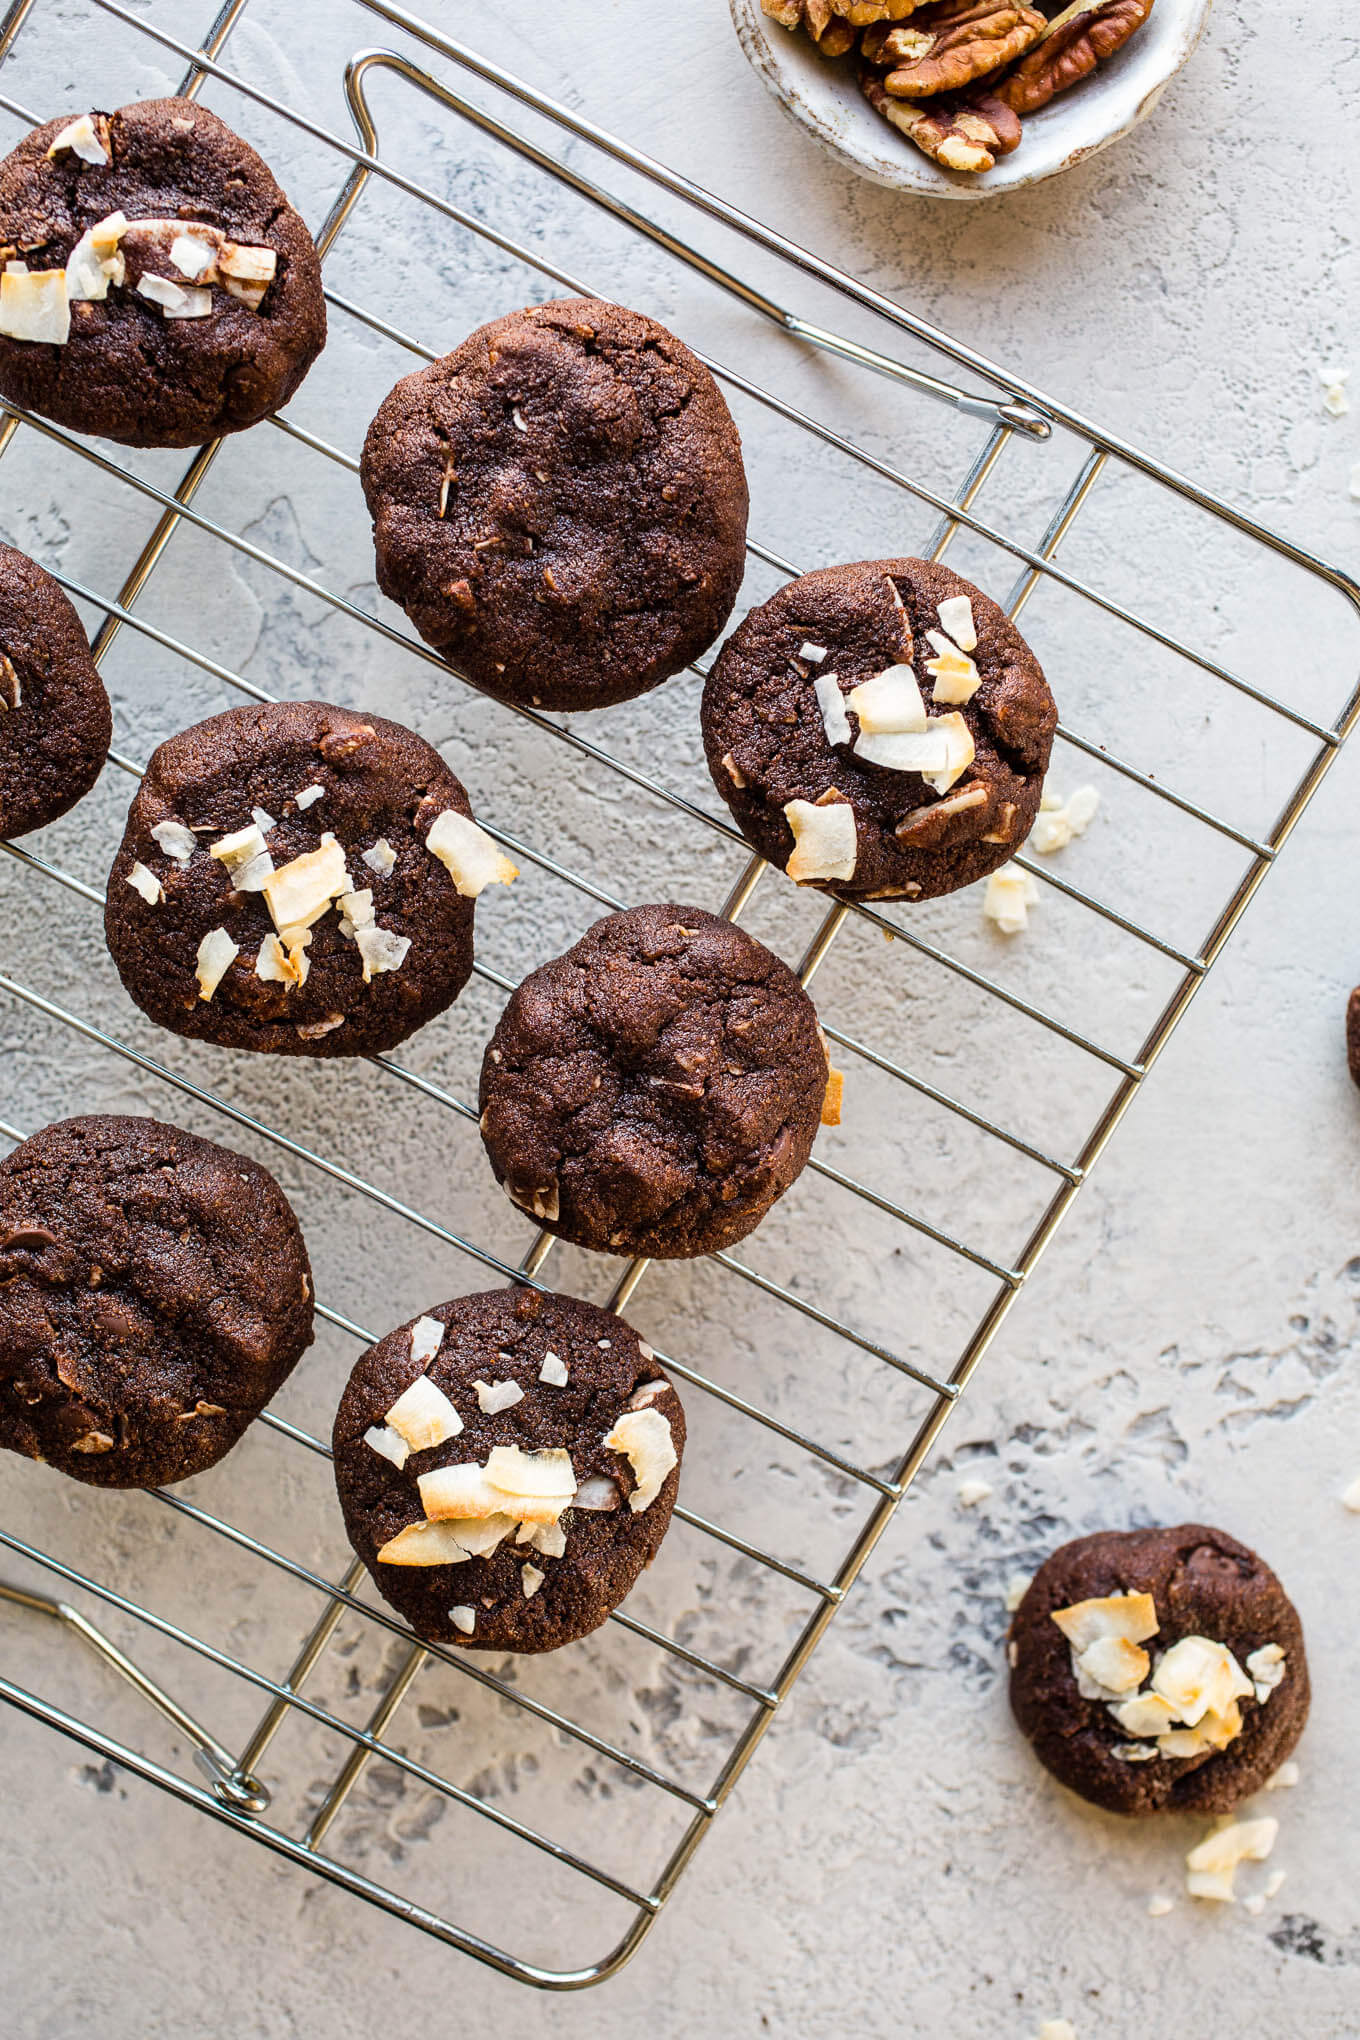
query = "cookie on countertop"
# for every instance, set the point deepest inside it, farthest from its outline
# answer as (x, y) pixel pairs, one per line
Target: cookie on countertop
(155, 1294)
(1159, 1669)
(55, 723)
(560, 505)
(297, 879)
(880, 731)
(158, 289)
(656, 1089)
(507, 1465)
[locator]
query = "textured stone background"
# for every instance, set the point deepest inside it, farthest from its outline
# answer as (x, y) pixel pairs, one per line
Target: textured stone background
(892, 1860)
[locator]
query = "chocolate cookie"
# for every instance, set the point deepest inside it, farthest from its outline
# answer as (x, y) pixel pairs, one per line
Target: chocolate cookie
(55, 723)
(880, 731)
(1353, 1035)
(656, 1089)
(158, 289)
(297, 879)
(560, 506)
(1159, 1669)
(154, 1294)
(507, 1466)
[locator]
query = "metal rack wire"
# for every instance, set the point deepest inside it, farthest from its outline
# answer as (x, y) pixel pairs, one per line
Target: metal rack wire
(240, 1791)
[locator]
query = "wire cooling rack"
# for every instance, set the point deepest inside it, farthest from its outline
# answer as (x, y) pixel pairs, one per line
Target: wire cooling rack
(642, 1731)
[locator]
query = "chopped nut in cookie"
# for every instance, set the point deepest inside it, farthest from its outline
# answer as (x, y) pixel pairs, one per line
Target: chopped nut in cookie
(472, 859)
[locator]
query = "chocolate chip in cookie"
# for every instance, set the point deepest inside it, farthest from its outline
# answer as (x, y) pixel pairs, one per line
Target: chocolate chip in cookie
(158, 288)
(656, 1089)
(880, 731)
(507, 1465)
(154, 1295)
(1159, 1669)
(298, 879)
(55, 723)
(560, 505)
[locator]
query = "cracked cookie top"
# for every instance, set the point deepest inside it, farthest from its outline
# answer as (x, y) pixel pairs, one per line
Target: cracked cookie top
(560, 505)
(158, 289)
(880, 730)
(155, 1293)
(656, 1089)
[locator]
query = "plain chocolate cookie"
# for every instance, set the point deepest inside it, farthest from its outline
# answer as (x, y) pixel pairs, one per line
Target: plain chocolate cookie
(560, 505)
(154, 1295)
(55, 723)
(779, 729)
(583, 1377)
(657, 1088)
(297, 879)
(192, 299)
(1204, 1584)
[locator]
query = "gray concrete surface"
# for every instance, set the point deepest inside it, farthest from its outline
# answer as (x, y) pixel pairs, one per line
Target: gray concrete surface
(892, 1862)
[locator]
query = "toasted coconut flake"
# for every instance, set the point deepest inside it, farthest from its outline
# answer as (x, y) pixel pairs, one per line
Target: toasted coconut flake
(423, 1544)
(545, 1477)
(1085, 1622)
(279, 964)
(463, 1618)
(811, 654)
(85, 140)
(956, 618)
(460, 1491)
(1010, 894)
(427, 1336)
(216, 954)
(34, 305)
(1265, 1667)
(1134, 1752)
(832, 1097)
(191, 256)
(380, 949)
(424, 1416)
(956, 678)
(549, 1539)
(643, 1436)
(381, 857)
(243, 847)
(923, 751)
(301, 891)
(598, 1495)
(1287, 1776)
(147, 884)
(309, 796)
(553, 1371)
(388, 1443)
(1143, 1713)
(247, 263)
(479, 1536)
(831, 702)
(531, 1579)
(1212, 1864)
(495, 1396)
(175, 840)
(825, 844)
(1115, 1663)
(890, 703)
(1198, 1675)
(471, 858)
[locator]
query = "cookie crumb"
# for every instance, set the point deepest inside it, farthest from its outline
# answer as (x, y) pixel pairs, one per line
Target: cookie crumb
(1159, 1906)
(971, 1492)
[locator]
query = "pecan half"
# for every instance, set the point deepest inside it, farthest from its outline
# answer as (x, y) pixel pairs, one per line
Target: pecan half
(964, 132)
(1074, 42)
(949, 43)
(832, 23)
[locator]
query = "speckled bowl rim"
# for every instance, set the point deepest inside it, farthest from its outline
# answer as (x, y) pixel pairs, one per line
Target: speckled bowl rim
(823, 98)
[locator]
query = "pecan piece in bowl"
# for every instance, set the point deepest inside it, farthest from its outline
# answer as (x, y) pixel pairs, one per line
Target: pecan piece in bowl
(965, 131)
(948, 44)
(834, 24)
(1071, 46)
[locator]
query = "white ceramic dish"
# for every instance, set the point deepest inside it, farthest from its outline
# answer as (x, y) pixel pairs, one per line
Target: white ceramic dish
(822, 96)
